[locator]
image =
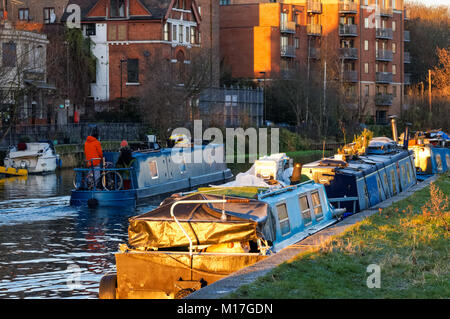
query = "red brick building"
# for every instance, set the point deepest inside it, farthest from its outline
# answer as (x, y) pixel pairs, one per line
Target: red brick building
(365, 37)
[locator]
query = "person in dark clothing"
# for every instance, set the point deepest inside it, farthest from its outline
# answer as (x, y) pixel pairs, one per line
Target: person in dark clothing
(125, 160)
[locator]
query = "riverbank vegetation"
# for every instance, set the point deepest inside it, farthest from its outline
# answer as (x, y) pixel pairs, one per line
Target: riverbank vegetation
(408, 241)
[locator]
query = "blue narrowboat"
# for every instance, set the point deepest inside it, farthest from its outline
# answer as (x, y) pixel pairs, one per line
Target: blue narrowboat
(153, 172)
(191, 241)
(363, 181)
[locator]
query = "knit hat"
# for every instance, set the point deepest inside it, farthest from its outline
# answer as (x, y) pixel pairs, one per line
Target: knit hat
(124, 144)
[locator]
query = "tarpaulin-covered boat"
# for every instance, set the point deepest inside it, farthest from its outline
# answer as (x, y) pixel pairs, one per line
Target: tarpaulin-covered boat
(194, 240)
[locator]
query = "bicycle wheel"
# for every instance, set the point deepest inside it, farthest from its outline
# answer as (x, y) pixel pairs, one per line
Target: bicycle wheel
(111, 181)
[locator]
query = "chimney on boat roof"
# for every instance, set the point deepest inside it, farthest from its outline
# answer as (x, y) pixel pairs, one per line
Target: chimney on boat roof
(394, 128)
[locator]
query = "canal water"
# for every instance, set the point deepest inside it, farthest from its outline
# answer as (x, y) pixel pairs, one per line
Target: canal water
(49, 249)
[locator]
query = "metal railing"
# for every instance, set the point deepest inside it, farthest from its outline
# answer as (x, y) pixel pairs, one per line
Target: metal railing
(287, 26)
(348, 53)
(386, 12)
(348, 7)
(314, 53)
(314, 29)
(350, 76)
(348, 30)
(384, 33)
(406, 57)
(406, 36)
(288, 51)
(383, 77)
(384, 55)
(382, 99)
(407, 78)
(314, 6)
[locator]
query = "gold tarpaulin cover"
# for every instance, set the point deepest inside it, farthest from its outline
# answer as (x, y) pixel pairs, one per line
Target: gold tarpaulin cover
(202, 222)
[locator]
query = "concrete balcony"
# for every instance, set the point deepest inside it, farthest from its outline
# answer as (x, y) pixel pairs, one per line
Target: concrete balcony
(407, 79)
(383, 99)
(383, 77)
(407, 57)
(407, 36)
(384, 33)
(348, 30)
(348, 53)
(314, 53)
(314, 6)
(384, 55)
(314, 29)
(348, 7)
(350, 76)
(287, 26)
(288, 51)
(386, 12)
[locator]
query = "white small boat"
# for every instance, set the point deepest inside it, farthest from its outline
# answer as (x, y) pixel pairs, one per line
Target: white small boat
(38, 157)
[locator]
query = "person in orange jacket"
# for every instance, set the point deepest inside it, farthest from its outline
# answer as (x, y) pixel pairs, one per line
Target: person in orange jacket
(93, 153)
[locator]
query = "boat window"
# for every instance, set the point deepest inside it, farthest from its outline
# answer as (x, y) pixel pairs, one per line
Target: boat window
(379, 190)
(394, 186)
(153, 169)
(283, 218)
(408, 174)
(386, 182)
(403, 172)
(439, 162)
(447, 159)
(306, 211)
(317, 206)
(366, 194)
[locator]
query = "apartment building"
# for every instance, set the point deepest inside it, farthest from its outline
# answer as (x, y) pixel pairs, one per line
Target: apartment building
(365, 37)
(31, 12)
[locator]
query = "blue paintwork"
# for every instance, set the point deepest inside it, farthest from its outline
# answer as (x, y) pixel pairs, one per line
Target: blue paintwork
(444, 154)
(173, 174)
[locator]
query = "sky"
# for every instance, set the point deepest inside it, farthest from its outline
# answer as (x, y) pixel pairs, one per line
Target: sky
(434, 2)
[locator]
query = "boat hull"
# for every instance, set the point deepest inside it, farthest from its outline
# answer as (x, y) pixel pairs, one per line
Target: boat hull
(122, 198)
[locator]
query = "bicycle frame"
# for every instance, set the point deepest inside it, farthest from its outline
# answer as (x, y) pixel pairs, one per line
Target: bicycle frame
(84, 171)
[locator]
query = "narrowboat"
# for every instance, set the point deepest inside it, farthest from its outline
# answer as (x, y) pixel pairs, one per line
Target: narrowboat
(35, 158)
(154, 171)
(193, 240)
(360, 181)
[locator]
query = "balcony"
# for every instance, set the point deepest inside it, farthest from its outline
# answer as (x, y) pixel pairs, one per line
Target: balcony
(384, 33)
(383, 77)
(350, 76)
(386, 12)
(407, 57)
(314, 29)
(314, 6)
(314, 53)
(407, 79)
(288, 51)
(407, 36)
(348, 7)
(287, 26)
(382, 99)
(348, 53)
(384, 55)
(348, 30)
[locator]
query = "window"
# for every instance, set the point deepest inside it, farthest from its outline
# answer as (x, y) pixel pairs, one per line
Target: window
(386, 183)
(376, 67)
(366, 90)
(90, 29)
(366, 23)
(408, 173)
(296, 43)
(394, 47)
(117, 8)
(394, 69)
(153, 169)
(166, 31)
(366, 68)
(133, 70)
(180, 29)
(305, 210)
(394, 91)
(24, 14)
(49, 15)
(393, 26)
(174, 32)
(317, 206)
(394, 186)
(439, 163)
(193, 35)
(283, 218)
(9, 54)
(188, 35)
(366, 45)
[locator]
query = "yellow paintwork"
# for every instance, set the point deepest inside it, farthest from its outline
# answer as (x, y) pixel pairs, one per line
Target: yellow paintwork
(13, 171)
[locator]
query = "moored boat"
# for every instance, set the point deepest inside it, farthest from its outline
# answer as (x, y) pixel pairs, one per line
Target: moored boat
(191, 241)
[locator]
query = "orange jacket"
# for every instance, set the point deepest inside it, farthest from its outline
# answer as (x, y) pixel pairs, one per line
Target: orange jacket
(92, 149)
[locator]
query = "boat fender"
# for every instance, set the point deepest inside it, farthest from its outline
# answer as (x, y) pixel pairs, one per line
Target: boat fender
(92, 203)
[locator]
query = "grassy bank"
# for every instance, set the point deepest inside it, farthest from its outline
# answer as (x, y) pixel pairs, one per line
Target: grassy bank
(409, 241)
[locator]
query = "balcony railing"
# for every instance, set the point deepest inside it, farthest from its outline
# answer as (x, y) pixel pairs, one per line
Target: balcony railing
(386, 12)
(384, 55)
(383, 77)
(288, 51)
(314, 29)
(314, 53)
(384, 33)
(350, 76)
(407, 36)
(382, 99)
(407, 57)
(348, 7)
(314, 6)
(287, 26)
(348, 30)
(407, 78)
(348, 53)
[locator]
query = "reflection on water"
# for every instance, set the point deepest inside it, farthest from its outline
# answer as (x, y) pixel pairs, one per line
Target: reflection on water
(49, 249)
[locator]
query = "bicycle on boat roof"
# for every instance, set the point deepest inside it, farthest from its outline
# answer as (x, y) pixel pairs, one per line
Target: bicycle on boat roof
(109, 178)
